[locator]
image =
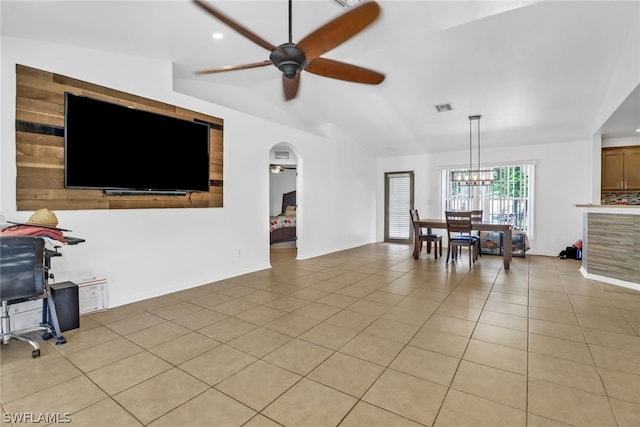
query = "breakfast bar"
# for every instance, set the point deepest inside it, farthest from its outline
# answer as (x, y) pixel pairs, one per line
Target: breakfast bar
(611, 244)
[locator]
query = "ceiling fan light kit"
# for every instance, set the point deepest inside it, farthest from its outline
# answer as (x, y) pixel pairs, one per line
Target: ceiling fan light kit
(280, 168)
(478, 176)
(292, 58)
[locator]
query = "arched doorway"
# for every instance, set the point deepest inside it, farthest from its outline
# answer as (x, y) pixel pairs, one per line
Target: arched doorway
(283, 200)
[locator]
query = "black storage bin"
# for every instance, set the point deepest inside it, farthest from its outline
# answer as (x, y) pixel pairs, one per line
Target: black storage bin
(65, 298)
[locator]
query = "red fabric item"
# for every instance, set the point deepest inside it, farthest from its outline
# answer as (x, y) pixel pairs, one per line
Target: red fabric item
(33, 230)
(578, 244)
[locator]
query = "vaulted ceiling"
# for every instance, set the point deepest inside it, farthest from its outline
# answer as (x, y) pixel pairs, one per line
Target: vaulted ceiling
(537, 71)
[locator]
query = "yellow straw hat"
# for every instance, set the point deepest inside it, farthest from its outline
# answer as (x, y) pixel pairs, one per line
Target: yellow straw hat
(43, 217)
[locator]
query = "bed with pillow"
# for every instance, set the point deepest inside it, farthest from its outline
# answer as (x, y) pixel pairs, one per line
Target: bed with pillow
(283, 226)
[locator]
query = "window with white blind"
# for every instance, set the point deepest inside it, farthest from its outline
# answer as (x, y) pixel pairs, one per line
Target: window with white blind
(509, 200)
(398, 201)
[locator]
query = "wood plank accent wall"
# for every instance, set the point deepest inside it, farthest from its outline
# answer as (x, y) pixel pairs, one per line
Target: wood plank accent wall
(613, 246)
(40, 147)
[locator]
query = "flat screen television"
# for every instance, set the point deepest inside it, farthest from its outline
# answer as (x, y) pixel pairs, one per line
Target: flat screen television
(122, 149)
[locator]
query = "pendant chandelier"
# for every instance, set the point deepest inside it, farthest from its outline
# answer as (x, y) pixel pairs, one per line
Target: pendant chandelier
(471, 176)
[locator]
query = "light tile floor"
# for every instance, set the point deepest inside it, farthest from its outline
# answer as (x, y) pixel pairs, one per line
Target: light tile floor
(363, 337)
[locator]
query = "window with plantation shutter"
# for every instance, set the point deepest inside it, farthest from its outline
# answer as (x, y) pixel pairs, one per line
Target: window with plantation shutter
(398, 201)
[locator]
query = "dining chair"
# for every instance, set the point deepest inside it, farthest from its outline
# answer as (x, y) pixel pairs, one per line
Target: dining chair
(421, 237)
(459, 229)
(476, 216)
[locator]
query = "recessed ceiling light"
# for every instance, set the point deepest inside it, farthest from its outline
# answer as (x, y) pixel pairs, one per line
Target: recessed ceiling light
(638, 130)
(217, 36)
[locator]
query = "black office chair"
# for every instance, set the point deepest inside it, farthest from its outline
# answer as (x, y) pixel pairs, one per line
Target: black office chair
(23, 277)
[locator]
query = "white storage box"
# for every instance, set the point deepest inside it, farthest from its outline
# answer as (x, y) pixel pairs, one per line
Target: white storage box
(26, 314)
(92, 296)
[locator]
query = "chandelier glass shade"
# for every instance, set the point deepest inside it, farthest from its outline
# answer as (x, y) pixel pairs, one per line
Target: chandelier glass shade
(475, 176)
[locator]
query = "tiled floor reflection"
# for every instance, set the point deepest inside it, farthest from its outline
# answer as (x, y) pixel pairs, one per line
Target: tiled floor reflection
(364, 337)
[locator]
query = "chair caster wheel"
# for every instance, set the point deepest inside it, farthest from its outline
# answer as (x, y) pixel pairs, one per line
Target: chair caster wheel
(61, 340)
(47, 336)
(35, 353)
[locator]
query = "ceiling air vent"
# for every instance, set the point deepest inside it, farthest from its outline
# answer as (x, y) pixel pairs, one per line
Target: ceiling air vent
(348, 3)
(281, 154)
(444, 107)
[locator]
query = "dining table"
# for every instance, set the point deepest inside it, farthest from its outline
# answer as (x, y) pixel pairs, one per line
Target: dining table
(479, 226)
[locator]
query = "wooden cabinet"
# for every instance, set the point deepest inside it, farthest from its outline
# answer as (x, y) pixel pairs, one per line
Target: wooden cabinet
(621, 169)
(632, 169)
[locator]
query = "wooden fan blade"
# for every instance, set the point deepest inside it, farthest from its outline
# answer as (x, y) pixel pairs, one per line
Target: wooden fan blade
(236, 26)
(342, 71)
(233, 67)
(337, 31)
(290, 86)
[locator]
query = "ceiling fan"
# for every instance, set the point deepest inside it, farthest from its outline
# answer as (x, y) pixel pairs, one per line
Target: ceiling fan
(279, 168)
(292, 58)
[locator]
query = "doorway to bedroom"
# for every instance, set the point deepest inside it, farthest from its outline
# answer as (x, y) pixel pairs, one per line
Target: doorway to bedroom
(283, 204)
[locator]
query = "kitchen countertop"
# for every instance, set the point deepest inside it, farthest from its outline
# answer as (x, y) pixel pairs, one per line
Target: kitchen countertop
(612, 209)
(591, 205)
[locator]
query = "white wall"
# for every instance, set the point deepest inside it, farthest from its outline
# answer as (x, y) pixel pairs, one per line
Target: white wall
(622, 141)
(625, 78)
(149, 252)
(561, 180)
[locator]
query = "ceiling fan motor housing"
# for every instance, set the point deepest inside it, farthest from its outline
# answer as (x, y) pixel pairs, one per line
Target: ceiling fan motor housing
(289, 59)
